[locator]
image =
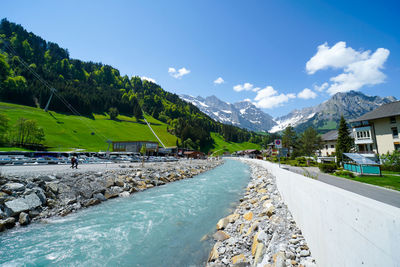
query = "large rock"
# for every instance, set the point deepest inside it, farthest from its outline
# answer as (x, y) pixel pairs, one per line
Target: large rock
(222, 223)
(221, 235)
(214, 252)
(16, 206)
(24, 218)
(53, 187)
(14, 187)
(9, 222)
(124, 194)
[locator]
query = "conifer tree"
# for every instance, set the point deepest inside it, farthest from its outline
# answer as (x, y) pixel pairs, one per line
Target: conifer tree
(344, 143)
(289, 138)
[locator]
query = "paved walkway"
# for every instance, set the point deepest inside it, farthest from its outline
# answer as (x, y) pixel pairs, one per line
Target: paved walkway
(381, 194)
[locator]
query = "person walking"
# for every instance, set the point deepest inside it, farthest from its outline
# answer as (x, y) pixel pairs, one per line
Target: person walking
(73, 160)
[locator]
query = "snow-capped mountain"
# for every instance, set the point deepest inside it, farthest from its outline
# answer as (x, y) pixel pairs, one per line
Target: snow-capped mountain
(327, 114)
(242, 114)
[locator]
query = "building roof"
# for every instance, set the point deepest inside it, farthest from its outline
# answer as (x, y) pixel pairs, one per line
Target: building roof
(330, 136)
(386, 110)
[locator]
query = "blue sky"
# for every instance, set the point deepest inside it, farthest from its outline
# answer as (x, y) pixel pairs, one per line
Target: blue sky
(280, 55)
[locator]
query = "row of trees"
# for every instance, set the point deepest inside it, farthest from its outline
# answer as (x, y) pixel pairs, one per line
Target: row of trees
(308, 142)
(24, 133)
(94, 88)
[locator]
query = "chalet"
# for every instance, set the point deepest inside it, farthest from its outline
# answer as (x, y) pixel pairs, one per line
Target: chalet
(329, 141)
(377, 132)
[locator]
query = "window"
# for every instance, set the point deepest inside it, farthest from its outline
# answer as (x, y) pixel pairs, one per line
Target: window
(358, 135)
(395, 133)
(332, 146)
(392, 119)
(397, 147)
(368, 134)
(326, 146)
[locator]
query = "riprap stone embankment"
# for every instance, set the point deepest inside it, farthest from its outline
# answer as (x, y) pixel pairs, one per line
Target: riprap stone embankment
(25, 198)
(261, 231)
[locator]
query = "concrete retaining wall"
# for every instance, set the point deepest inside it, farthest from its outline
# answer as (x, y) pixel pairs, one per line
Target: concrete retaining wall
(340, 227)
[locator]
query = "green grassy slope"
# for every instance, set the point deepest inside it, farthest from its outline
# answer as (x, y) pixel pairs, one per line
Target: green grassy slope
(68, 132)
(220, 145)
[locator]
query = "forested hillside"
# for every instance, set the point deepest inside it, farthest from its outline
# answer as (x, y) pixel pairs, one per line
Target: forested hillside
(94, 88)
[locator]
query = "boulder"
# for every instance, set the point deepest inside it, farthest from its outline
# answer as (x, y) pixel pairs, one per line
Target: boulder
(214, 252)
(221, 236)
(33, 201)
(109, 182)
(99, 196)
(14, 187)
(23, 218)
(16, 206)
(124, 194)
(222, 223)
(9, 222)
(233, 217)
(91, 202)
(52, 186)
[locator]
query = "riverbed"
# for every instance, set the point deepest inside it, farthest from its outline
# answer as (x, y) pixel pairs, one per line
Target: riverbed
(162, 226)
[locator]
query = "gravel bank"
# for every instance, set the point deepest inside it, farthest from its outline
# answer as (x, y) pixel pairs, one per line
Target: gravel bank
(30, 196)
(261, 231)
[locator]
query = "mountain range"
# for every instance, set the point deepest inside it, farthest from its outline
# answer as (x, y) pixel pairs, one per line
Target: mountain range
(323, 117)
(242, 114)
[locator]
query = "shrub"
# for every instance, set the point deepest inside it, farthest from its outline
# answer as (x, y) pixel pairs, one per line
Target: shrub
(301, 160)
(345, 173)
(391, 162)
(327, 167)
(113, 113)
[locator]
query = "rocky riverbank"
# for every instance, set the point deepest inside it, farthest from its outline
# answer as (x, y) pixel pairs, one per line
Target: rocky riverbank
(261, 231)
(26, 198)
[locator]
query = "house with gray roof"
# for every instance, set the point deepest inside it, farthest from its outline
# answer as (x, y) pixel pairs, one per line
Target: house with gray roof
(377, 132)
(329, 141)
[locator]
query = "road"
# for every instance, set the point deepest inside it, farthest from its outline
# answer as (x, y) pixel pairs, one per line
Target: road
(381, 194)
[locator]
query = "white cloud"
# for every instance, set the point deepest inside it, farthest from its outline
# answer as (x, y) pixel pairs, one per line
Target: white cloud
(338, 56)
(360, 73)
(270, 98)
(307, 94)
(360, 68)
(148, 79)
(177, 74)
(243, 87)
(321, 87)
(219, 80)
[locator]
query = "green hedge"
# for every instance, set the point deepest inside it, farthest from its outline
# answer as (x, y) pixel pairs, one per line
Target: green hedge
(345, 173)
(327, 167)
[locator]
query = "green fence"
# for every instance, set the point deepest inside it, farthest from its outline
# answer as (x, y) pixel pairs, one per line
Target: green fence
(363, 169)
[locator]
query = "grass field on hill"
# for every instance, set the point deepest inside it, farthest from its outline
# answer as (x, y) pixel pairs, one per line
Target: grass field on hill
(220, 145)
(68, 132)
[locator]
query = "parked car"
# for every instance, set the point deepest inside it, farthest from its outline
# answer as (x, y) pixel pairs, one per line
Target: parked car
(5, 160)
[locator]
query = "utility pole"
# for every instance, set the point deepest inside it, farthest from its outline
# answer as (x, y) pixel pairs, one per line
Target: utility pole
(53, 90)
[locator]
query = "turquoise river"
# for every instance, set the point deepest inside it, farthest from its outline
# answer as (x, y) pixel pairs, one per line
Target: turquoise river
(162, 226)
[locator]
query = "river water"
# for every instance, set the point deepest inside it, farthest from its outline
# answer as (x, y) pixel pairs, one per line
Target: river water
(162, 226)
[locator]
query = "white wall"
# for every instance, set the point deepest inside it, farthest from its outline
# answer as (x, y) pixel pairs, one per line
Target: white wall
(341, 228)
